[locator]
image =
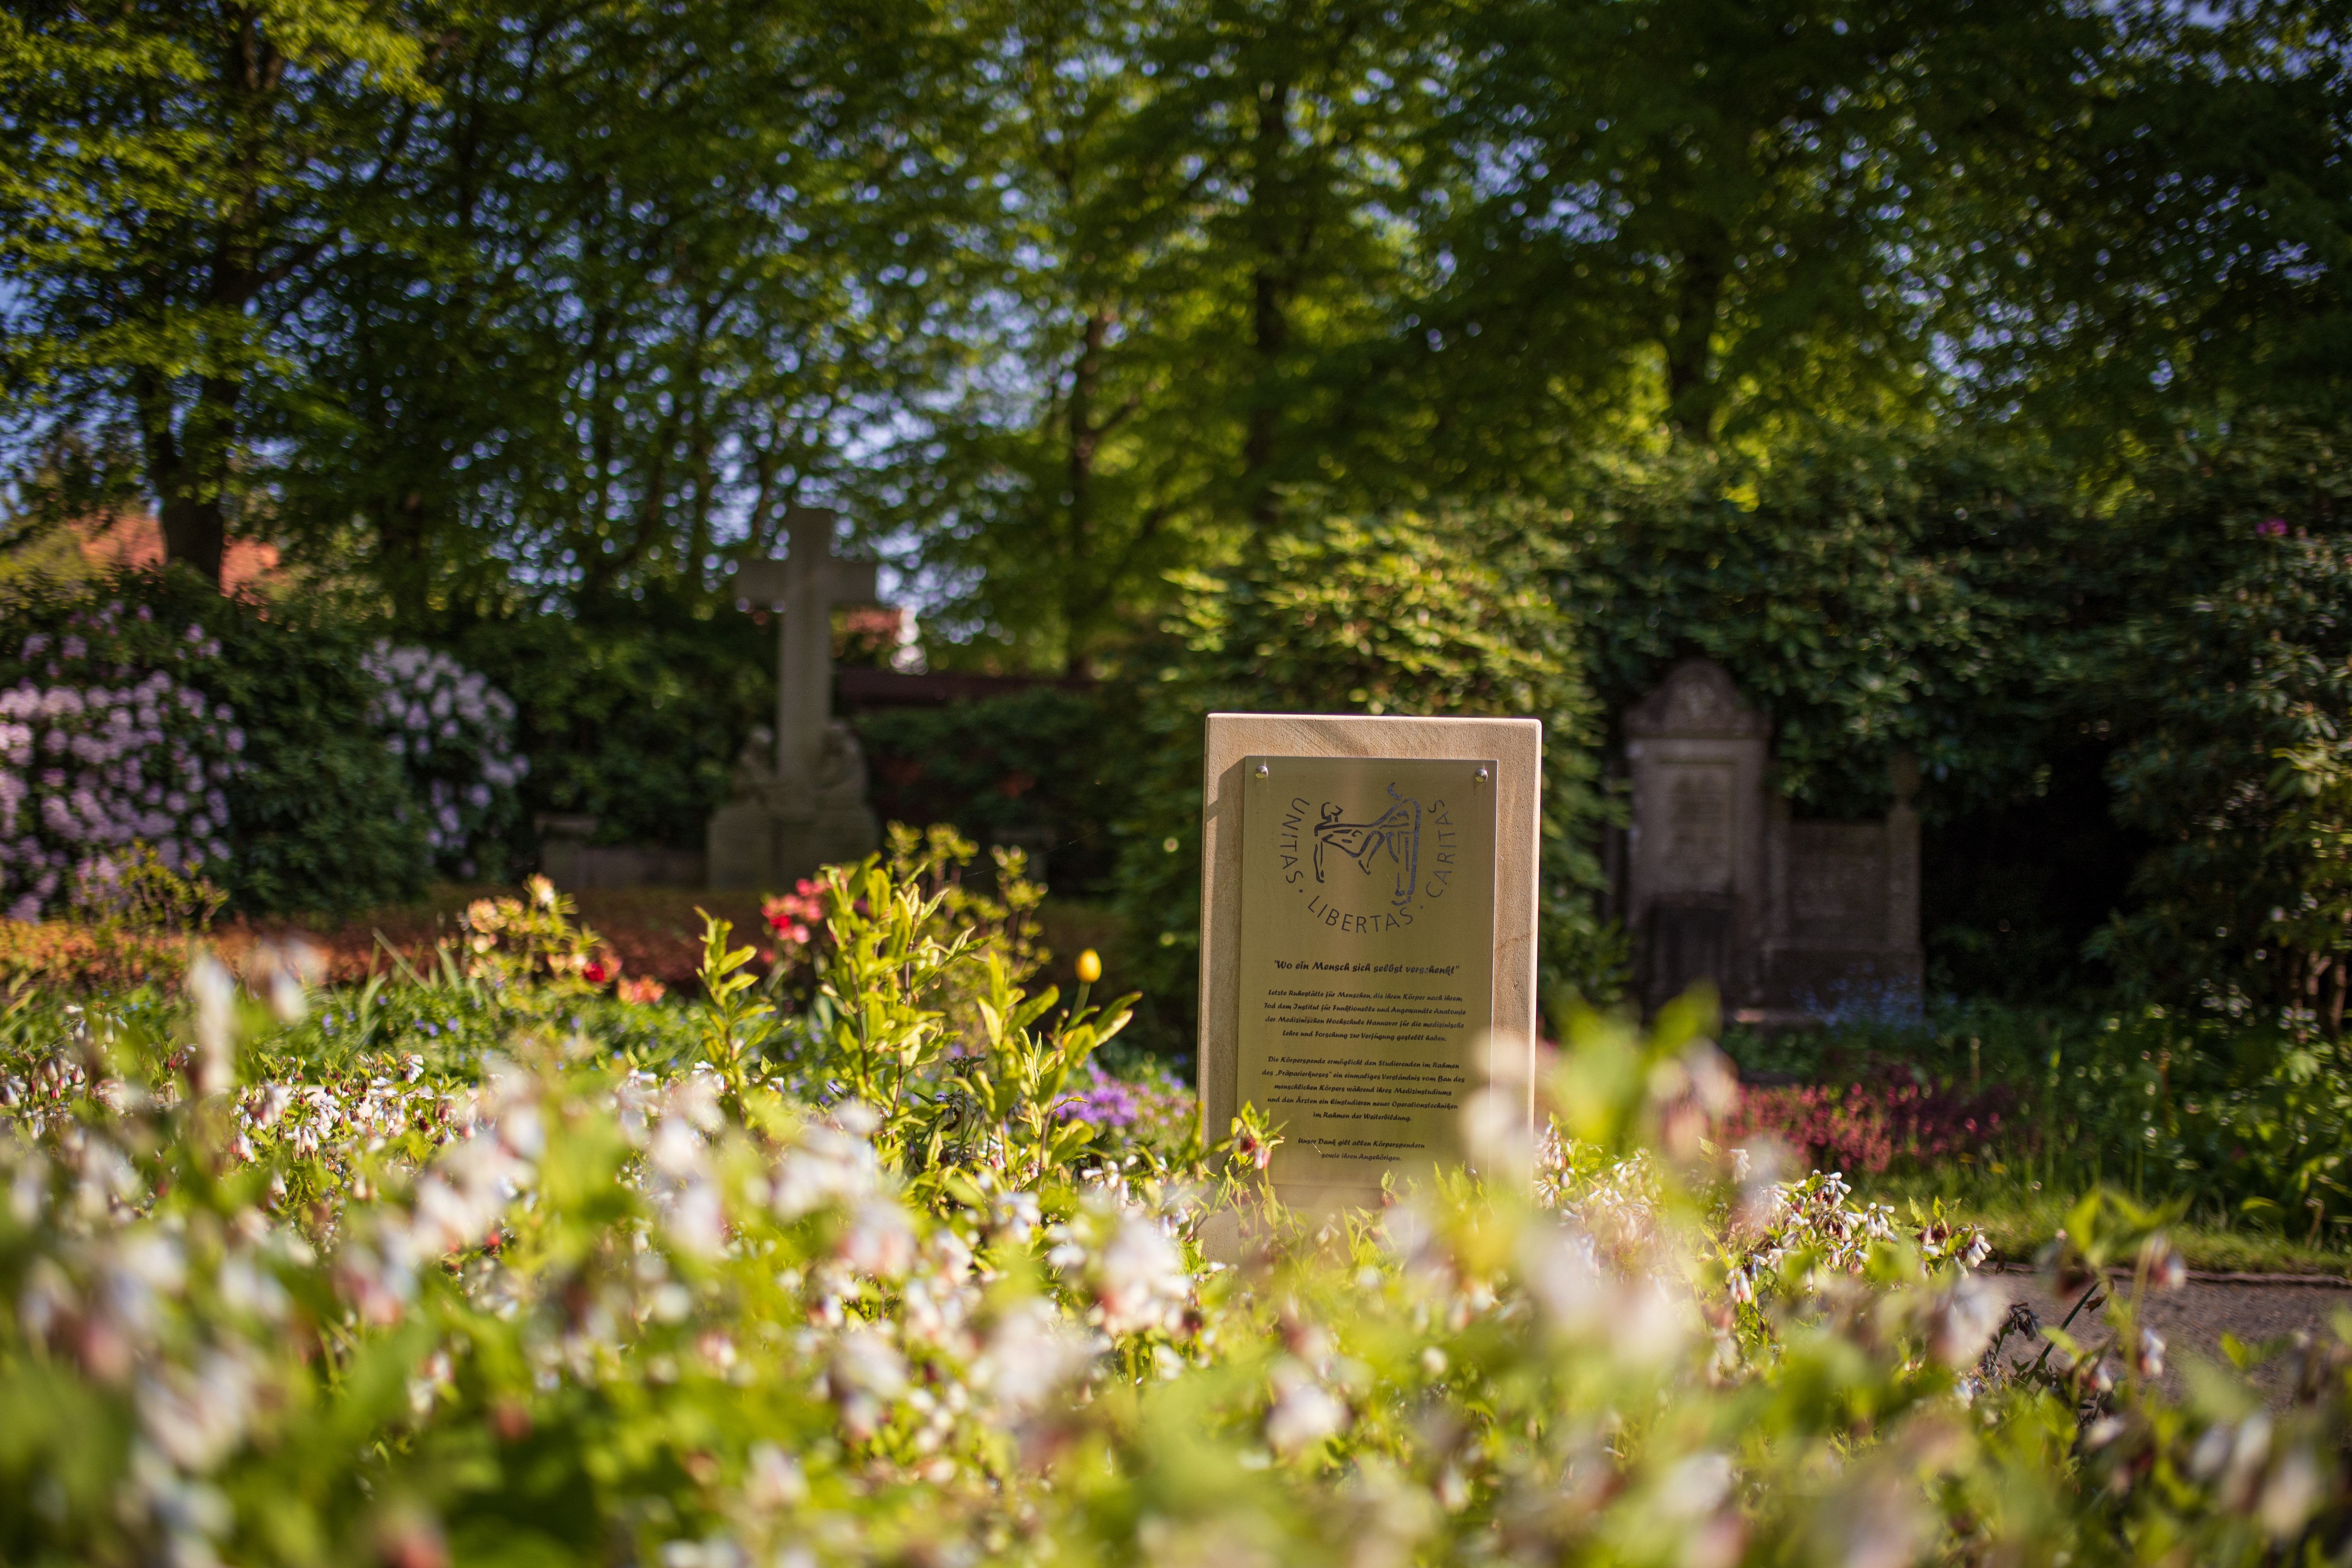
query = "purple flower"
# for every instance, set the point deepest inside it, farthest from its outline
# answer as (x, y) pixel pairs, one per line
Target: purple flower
(2271, 528)
(1108, 1103)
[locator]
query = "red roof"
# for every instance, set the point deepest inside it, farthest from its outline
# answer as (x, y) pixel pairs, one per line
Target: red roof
(137, 541)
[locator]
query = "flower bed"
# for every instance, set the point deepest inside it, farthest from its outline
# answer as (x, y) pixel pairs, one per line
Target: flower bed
(867, 1284)
(1869, 1127)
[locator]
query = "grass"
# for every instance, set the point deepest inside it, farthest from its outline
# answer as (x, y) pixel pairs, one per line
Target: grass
(2020, 1216)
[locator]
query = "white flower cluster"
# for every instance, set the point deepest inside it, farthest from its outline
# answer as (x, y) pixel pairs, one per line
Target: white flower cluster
(949, 1350)
(482, 1247)
(454, 734)
(95, 754)
(460, 1201)
(1815, 1219)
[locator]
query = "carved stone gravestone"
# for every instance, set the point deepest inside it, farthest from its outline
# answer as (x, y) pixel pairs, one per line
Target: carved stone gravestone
(1694, 855)
(1790, 919)
(1368, 907)
(798, 799)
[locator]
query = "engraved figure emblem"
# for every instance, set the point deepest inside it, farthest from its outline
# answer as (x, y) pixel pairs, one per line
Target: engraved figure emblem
(1396, 833)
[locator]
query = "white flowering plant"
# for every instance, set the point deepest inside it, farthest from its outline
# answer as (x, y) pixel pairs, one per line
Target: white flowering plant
(109, 747)
(270, 1305)
(454, 734)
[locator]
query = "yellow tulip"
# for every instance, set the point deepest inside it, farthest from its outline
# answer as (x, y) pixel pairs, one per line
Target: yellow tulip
(1090, 966)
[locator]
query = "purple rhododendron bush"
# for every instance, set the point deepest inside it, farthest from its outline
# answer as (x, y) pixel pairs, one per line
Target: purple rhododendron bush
(863, 1283)
(266, 747)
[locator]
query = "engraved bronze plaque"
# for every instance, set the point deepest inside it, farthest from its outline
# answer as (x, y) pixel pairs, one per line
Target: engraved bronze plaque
(1367, 958)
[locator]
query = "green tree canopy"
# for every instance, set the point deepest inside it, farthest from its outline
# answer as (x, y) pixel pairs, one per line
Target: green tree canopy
(177, 184)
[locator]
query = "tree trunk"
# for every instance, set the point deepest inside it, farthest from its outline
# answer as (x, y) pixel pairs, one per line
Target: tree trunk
(1270, 304)
(187, 469)
(1689, 342)
(1080, 596)
(188, 466)
(404, 554)
(195, 533)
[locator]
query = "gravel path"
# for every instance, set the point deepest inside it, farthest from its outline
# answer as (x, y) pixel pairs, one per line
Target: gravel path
(2193, 1319)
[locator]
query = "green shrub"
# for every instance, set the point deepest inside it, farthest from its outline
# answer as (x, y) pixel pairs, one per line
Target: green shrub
(1047, 757)
(632, 712)
(1451, 612)
(319, 815)
(2178, 635)
(1868, 594)
(2247, 1122)
(2231, 656)
(1874, 594)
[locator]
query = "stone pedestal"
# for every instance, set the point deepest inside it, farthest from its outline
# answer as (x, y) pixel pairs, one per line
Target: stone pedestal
(1363, 898)
(772, 834)
(739, 846)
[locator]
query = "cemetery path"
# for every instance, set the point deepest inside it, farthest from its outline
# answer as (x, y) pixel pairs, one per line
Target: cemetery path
(2193, 1319)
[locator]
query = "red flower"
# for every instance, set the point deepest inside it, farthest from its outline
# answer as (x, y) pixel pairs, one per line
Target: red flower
(790, 914)
(597, 971)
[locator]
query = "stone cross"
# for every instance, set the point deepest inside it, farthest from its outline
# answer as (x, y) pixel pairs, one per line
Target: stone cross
(806, 584)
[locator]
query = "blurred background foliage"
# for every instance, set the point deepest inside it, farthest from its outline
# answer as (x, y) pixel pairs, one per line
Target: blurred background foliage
(1447, 612)
(1966, 378)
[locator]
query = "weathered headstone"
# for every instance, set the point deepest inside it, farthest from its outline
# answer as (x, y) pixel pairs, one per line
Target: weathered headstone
(799, 795)
(1695, 860)
(1790, 919)
(1368, 904)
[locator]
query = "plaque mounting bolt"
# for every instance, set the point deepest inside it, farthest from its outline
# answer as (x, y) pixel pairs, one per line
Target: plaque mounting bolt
(1263, 771)
(1482, 775)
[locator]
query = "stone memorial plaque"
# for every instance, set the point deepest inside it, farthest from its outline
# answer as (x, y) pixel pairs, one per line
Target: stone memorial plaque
(1368, 929)
(1367, 957)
